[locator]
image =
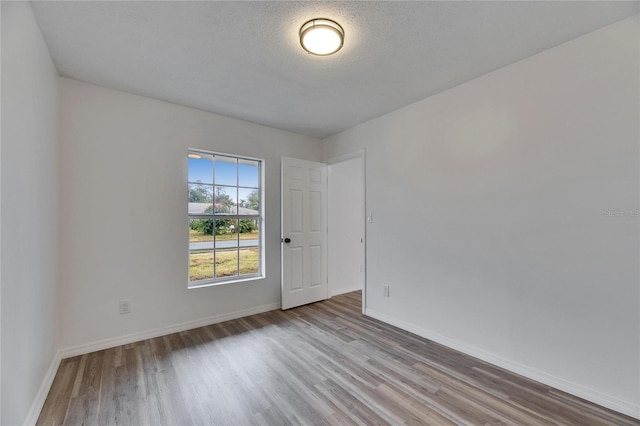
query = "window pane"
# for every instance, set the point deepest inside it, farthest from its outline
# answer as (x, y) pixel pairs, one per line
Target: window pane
(248, 173)
(201, 234)
(249, 246)
(226, 171)
(249, 260)
(200, 169)
(226, 262)
(200, 265)
(226, 233)
(249, 201)
(200, 198)
(249, 232)
(226, 200)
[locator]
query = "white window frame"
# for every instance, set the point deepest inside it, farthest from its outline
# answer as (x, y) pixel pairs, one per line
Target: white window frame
(260, 217)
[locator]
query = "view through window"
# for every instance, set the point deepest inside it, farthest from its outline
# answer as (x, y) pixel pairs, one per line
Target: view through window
(225, 218)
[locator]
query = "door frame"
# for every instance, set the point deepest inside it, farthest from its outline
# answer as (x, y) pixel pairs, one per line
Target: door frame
(339, 159)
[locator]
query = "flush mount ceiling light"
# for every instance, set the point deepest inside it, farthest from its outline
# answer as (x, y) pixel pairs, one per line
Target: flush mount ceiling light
(321, 37)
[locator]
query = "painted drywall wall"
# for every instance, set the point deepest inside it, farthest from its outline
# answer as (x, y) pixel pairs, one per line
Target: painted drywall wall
(506, 216)
(124, 209)
(346, 225)
(30, 192)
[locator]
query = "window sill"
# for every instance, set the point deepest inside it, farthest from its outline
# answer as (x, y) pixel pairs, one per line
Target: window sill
(212, 283)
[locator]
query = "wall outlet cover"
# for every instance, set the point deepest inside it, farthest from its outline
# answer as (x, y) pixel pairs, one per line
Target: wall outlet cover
(124, 307)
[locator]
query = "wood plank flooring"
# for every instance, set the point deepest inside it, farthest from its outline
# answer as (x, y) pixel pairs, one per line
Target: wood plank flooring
(323, 363)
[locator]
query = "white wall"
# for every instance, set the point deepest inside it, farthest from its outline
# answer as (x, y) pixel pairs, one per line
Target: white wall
(124, 206)
(490, 205)
(346, 225)
(29, 176)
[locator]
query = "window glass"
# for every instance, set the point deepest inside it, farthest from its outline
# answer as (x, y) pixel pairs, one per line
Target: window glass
(248, 173)
(226, 170)
(249, 201)
(226, 200)
(200, 168)
(200, 198)
(200, 265)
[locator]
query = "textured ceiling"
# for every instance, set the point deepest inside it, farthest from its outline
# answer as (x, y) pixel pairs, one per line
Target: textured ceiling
(243, 58)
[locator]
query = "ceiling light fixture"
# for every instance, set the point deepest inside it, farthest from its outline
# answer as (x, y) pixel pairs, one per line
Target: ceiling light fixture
(321, 37)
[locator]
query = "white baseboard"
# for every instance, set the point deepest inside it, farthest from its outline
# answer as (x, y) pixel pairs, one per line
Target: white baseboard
(624, 407)
(157, 332)
(41, 396)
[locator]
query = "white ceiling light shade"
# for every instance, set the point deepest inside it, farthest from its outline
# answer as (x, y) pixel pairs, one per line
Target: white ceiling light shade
(321, 37)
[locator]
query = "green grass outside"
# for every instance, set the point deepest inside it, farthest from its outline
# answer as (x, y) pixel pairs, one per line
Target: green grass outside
(201, 263)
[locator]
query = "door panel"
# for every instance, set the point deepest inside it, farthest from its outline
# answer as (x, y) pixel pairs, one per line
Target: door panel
(295, 212)
(296, 262)
(304, 222)
(315, 254)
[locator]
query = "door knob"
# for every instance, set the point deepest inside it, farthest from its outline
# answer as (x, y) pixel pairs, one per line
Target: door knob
(287, 240)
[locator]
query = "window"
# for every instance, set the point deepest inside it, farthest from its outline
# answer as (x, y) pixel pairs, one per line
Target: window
(225, 218)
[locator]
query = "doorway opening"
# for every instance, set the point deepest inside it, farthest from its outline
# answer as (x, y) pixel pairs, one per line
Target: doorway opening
(346, 225)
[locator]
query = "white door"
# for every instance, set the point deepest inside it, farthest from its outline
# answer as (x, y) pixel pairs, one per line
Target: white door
(304, 232)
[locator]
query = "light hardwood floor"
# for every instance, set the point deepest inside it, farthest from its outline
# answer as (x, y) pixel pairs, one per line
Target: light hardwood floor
(323, 363)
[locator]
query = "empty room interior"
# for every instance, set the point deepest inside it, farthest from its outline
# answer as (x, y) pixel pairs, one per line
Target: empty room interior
(310, 212)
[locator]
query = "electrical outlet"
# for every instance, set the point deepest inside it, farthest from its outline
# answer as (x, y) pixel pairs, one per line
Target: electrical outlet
(385, 290)
(124, 307)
